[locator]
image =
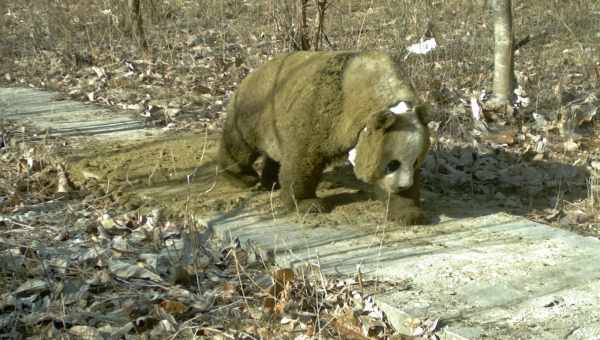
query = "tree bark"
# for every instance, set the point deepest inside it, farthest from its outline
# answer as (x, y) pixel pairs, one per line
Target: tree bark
(2, 13)
(304, 43)
(503, 54)
(137, 20)
(321, 7)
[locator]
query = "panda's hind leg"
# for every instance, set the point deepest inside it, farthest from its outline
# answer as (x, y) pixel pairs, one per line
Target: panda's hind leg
(236, 159)
(269, 178)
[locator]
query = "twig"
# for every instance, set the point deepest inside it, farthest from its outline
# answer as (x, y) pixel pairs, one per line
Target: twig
(271, 202)
(360, 31)
(20, 224)
(239, 275)
(215, 181)
(574, 36)
(317, 306)
(203, 152)
(155, 167)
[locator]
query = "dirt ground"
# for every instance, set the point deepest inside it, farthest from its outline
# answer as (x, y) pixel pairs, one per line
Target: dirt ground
(179, 173)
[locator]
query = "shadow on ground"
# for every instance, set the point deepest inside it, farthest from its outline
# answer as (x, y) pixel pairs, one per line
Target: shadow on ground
(179, 172)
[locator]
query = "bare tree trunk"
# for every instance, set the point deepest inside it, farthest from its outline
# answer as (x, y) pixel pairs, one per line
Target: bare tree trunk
(321, 7)
(2, 13)
(53, 23)
(305, 38)
(302, 41)
(136, 19)
(503, 54)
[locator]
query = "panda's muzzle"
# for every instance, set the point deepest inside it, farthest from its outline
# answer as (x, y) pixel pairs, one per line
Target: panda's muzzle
(401, 182)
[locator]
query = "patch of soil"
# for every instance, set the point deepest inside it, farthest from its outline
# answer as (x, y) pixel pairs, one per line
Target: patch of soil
(179, 173)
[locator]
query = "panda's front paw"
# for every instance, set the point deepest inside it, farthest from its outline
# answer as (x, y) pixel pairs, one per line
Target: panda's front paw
(407, 216)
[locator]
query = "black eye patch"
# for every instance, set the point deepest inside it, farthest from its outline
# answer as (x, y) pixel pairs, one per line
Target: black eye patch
(392, 166)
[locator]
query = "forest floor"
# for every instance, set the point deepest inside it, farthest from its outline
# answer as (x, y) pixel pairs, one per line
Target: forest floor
(541, 162)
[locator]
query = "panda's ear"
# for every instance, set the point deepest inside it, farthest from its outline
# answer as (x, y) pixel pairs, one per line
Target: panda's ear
(381, 121)
(423, 112)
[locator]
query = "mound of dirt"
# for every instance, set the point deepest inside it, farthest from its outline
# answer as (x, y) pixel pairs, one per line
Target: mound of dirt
(179, 173)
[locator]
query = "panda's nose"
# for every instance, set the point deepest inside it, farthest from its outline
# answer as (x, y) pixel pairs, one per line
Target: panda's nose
(402, 187)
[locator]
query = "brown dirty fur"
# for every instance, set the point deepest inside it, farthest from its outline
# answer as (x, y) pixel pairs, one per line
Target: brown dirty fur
(303, 110)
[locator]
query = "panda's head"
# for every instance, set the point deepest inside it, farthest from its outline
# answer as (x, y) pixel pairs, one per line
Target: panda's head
(392, 147)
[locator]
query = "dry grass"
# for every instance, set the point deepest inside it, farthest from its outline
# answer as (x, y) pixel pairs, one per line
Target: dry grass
(593, 198)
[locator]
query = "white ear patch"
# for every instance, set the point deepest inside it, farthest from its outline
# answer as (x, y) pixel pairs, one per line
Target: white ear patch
(352, 156)
(401, 108)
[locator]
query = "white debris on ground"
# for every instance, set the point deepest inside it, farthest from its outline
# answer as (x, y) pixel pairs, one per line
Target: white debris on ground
(423, 47)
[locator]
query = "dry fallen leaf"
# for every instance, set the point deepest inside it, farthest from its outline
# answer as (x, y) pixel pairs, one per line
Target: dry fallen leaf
(64, 183)
(173, 307)
(347, 324)
(127, 271)
(283, 275)
(276, 300)
(229, 291)
(85, 332)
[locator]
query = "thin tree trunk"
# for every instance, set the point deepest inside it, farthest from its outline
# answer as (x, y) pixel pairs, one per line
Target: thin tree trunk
(321, 7)
(304, 43)
(503, 55)
(2, 13)
(137, 20)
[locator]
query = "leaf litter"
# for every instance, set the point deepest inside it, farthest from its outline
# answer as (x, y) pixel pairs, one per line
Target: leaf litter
(72, 265)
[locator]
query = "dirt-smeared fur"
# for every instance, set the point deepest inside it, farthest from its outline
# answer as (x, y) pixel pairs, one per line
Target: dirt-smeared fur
(304, 109)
